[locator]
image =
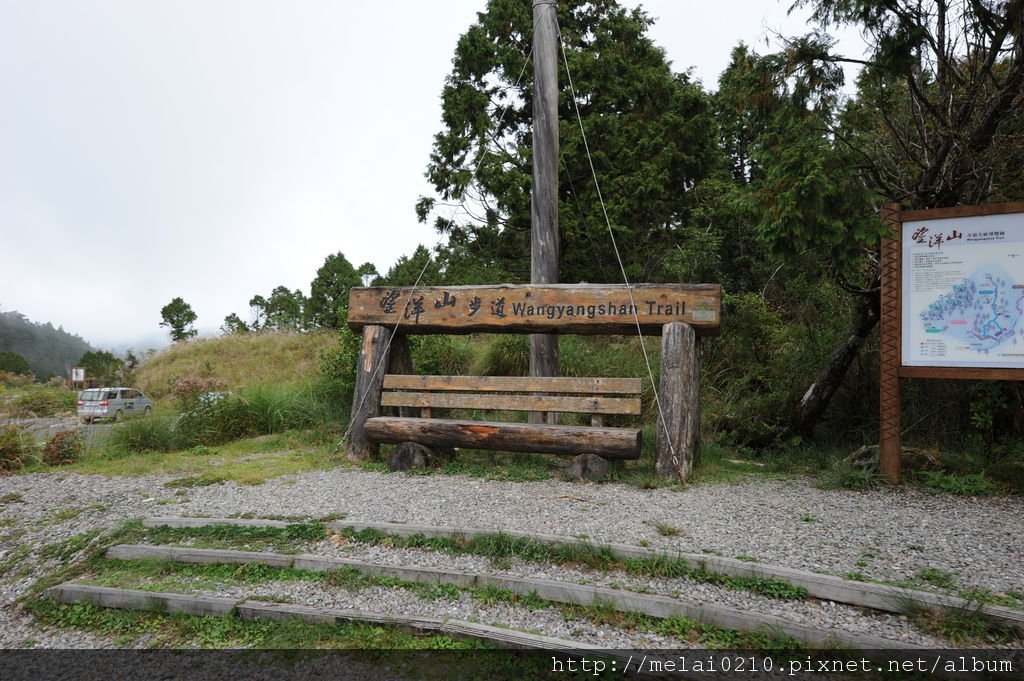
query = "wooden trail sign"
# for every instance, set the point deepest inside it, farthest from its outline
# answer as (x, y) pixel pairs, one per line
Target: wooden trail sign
(546, 308)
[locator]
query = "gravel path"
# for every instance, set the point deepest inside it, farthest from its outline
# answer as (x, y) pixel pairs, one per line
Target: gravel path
(881, 534)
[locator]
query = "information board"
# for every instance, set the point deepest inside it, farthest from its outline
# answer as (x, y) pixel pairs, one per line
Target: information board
(963, 292)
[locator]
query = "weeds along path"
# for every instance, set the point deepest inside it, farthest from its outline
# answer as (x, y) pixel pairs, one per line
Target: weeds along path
(50, 520)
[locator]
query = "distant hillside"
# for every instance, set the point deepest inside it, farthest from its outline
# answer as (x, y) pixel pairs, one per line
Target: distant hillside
(238, 361)
(49, 351)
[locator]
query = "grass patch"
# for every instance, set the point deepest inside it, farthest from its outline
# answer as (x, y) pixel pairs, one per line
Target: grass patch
(186, 631)
(288, 453)
(65, 550)
(159, 575)
(940, 579)
(489, 595)
(17, 449)
(263, 409)
(40, 401)
(280, 539)
(666, 530)
(62, 516)
(237, 361)
(14, 558)
(11, 498)
(973, 485)
(960, 626)
(844, 475)
(76, 554)
(684, 629)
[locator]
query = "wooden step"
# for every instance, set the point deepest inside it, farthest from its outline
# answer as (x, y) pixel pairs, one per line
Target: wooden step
(551, 590)
(826, 587)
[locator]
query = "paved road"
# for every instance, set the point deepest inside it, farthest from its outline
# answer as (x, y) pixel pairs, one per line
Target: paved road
(45, 428)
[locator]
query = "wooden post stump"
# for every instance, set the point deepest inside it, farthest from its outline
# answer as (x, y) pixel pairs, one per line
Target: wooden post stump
(678, 429)
(370, 371)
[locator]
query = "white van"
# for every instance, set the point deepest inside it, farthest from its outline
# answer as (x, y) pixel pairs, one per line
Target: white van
(112, 403)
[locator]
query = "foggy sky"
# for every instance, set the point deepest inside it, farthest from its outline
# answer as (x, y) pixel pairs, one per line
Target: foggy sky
(214, 150)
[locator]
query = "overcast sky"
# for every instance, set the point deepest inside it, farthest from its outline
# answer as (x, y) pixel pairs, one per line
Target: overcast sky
(215, 149)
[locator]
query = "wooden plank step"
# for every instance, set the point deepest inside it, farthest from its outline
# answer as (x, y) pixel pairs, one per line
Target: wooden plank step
(611, 443)
(507, 639)
(551, 590)
(133, 599)
(884, 597)
(515, 384)
(558, 403)
(826, 587)
(163, 601)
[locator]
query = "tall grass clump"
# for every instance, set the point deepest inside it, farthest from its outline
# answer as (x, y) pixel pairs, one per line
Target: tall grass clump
(41, 402)
(150, 434)
(216, 418)
(505, 355)
(17, 448)
(272, 408)
(442, 355)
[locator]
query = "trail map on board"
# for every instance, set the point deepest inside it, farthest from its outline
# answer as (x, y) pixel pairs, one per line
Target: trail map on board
(963, 292)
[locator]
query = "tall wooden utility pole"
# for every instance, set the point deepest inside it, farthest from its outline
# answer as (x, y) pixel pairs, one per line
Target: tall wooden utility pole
(544, 204)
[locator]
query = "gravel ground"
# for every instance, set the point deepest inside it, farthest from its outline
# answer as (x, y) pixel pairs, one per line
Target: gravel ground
(881, 534)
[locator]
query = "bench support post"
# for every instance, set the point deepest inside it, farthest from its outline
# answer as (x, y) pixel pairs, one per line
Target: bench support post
(370, 370)
(678, 428)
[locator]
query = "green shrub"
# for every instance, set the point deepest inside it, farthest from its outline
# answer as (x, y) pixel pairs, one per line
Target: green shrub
(208, 420)
(40, 402)
(973, 485)
(63, 449)
(187, 390)
(338, 362)
(265, 409)
(505, 355)
(150, 434)
(17, 447)
(441, 355)
(15, 380)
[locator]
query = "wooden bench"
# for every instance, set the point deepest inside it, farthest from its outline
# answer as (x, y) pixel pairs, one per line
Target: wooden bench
(385, 316)
(595, 396)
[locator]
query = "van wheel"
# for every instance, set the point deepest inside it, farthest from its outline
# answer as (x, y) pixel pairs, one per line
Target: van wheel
(118, 416)
(147, 411)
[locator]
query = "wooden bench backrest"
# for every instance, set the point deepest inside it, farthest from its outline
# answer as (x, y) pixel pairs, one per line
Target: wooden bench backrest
(514, 393)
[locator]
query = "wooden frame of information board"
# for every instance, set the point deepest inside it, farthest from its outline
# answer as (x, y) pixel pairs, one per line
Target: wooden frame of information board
(893, 365)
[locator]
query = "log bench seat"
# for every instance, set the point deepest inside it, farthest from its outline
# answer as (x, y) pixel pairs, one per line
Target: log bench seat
(595, 396)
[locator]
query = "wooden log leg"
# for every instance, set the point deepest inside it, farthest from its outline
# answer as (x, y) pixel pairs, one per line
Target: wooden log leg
(370, 370)
(678, 428)
(400, 362)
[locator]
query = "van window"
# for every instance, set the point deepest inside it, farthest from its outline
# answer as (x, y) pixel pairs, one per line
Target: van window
(91, 395)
